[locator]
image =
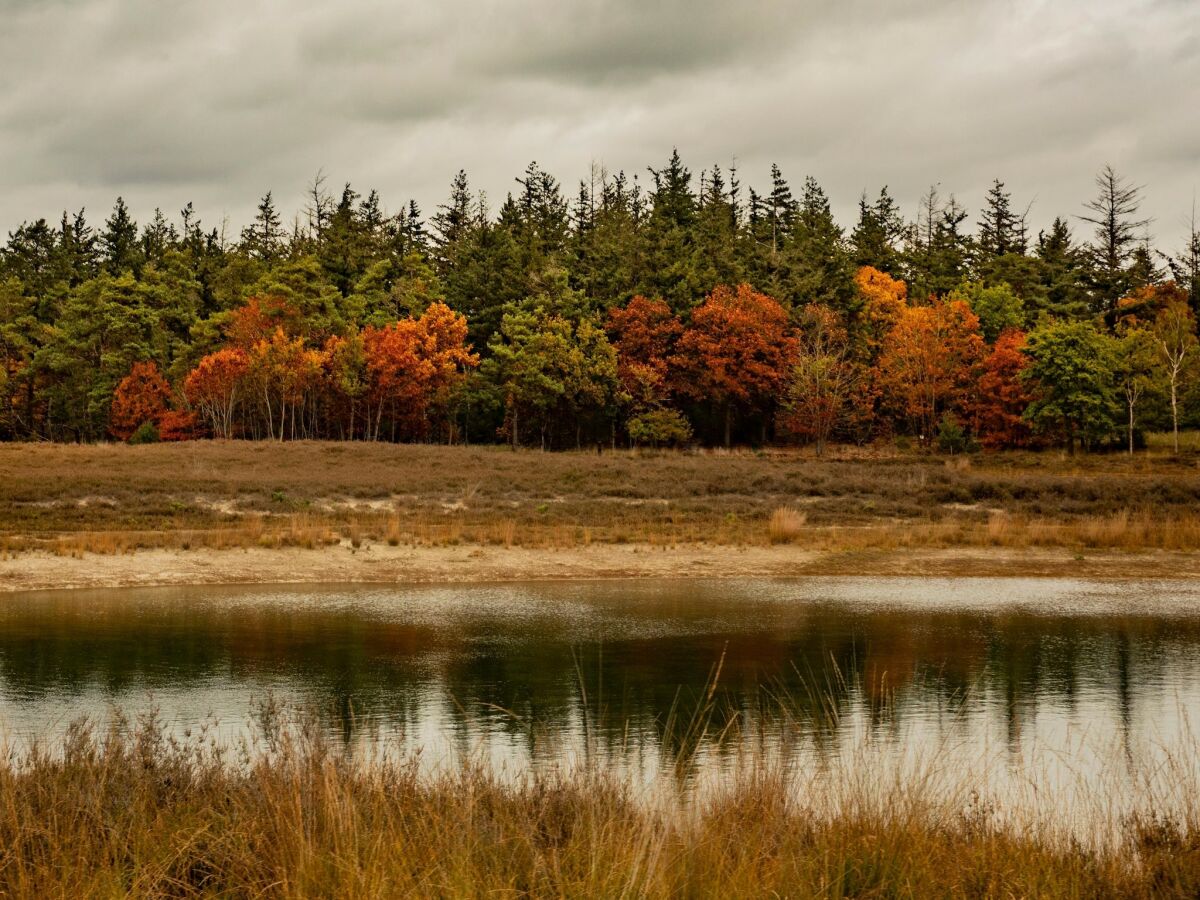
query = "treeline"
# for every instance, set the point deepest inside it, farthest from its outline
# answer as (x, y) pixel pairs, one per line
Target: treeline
(687, 309)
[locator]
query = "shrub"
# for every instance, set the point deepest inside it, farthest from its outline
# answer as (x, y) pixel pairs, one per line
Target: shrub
(951, 438)
(660, 426)
(146, 433)
(786, 525)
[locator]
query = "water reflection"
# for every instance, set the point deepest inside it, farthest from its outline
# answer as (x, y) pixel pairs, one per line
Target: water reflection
(626, 670)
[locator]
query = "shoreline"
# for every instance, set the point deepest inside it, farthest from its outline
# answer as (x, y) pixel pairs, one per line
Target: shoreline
(464, 563)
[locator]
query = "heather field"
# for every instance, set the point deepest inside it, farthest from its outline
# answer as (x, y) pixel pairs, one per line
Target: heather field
(238, 494)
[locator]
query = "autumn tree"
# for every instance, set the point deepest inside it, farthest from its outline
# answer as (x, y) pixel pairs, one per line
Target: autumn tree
(823, 379)
(444, 345)
(644, 333)
(214, 387)
(142, 396)
(1002, 396)
(1175, 332)
(398, 375)
(736, 352)
(928, 363)
(285, 372)
(884, 299)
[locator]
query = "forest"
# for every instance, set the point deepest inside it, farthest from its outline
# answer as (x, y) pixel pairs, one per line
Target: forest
(661, 310)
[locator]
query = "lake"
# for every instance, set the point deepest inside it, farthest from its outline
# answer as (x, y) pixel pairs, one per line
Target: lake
(1046, 685)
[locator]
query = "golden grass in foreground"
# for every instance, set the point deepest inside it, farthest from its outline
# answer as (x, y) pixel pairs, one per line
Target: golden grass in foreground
(133, 813)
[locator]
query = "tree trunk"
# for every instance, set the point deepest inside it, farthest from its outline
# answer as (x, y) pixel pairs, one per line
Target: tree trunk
(1175, 414)
(728, 424)
(1130, 429)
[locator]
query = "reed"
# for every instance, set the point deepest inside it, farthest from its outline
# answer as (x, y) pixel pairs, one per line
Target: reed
(130, 811)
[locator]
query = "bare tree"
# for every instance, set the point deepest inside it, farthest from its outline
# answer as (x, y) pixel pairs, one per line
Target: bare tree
(1175, 330)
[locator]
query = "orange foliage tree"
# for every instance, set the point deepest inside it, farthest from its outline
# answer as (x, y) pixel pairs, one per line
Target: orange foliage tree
(644, 333)
(884, 300)
(142, 396)
(1002, 395)
(413, 367)
(1145, 304)
(214, 387)
(928, 362)
(284, 372)
(445, 346)
(737, 351)
(259, 318)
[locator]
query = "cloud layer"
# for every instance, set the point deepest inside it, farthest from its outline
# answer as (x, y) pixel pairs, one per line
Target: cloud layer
(168, 101)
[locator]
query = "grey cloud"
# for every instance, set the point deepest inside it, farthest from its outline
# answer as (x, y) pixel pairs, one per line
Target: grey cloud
(167, 101)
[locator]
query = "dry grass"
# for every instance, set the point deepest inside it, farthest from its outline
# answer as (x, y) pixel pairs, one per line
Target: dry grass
(116, 499)
(785, 525)
(129, 812)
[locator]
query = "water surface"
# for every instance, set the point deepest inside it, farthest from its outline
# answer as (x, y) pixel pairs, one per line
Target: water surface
(992, 672)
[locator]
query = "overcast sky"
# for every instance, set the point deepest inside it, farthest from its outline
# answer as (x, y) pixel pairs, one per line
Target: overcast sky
(218, 101)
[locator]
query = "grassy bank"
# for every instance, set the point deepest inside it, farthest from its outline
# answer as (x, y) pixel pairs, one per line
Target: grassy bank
(114, 498)
(133, 813)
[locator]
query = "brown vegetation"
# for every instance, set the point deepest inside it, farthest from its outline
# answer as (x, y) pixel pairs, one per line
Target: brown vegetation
(115, 498)
(130, 812)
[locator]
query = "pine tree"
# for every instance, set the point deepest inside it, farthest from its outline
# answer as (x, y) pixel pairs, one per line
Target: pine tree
(1185, 267)
(1001, 231)
(1064, 267)
(454, 219)
(670, 238)
(119, 241)
(262, 239)
(876, 237)
(819, 267)
(1113, 213)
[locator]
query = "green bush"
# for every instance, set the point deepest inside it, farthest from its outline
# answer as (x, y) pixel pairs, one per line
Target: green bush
(950, 437)
(146, 433)
(660, 426)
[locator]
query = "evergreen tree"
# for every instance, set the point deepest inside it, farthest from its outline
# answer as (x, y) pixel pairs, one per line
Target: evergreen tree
(819, 267)
(1113, 213)
(877, 235)
(454, 219)
(1064, 268)
(119, 241)
(1001, 231)
(670, 238)
(262, 240)
(1185, 267)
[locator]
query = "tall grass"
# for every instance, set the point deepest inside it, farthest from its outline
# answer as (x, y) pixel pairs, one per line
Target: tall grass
(130, 811)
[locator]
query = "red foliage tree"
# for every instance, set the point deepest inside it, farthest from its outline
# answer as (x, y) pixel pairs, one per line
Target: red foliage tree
(177, 425)
(644, 333)
(736, 351)
(142, 396)
(1002, 396)
(214, 387)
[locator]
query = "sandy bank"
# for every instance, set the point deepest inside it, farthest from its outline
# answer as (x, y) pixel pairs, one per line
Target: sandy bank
(382, 564)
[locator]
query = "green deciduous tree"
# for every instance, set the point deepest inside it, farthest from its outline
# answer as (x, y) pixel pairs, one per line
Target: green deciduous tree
(1071, 375)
